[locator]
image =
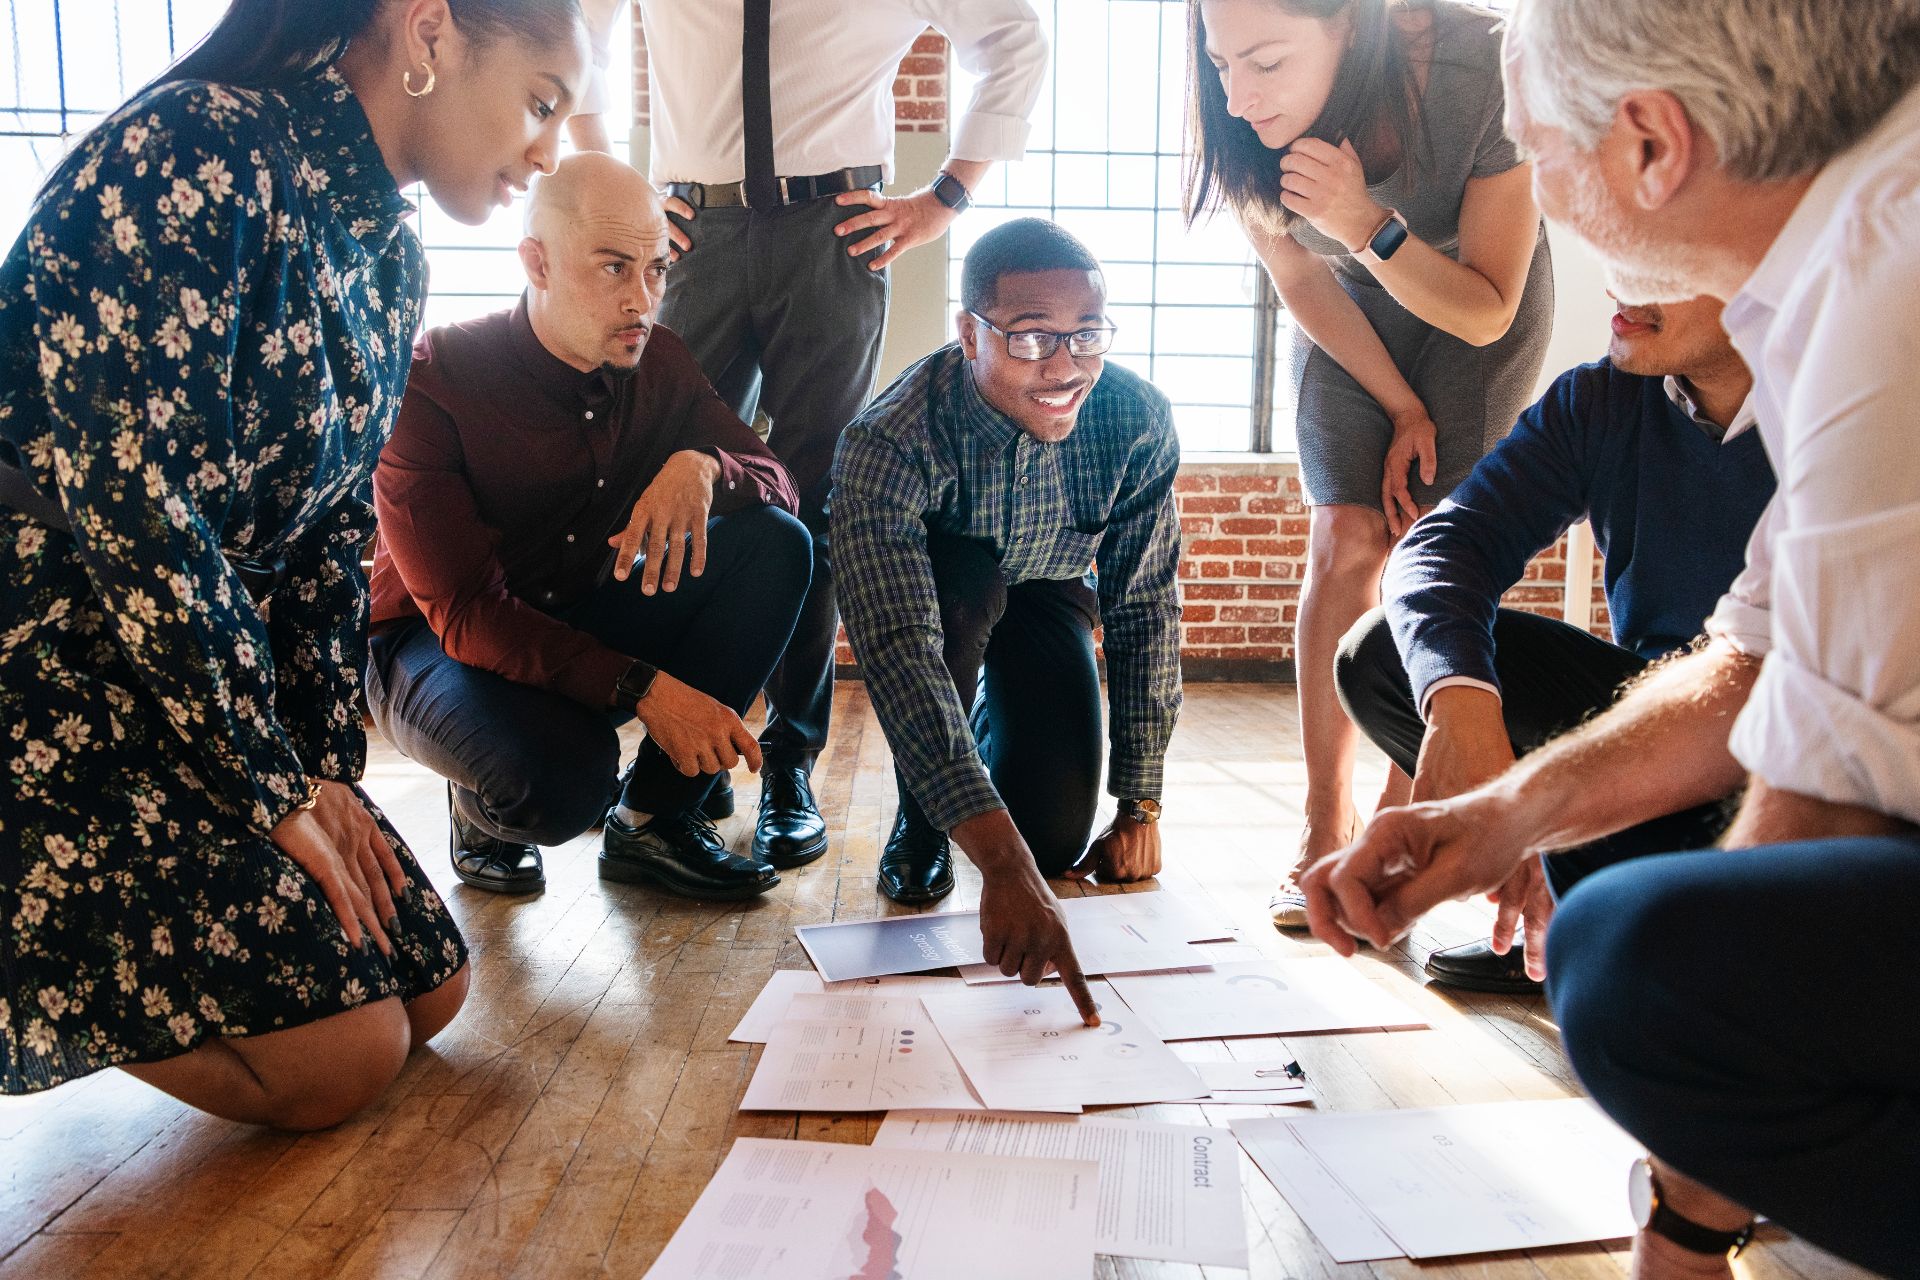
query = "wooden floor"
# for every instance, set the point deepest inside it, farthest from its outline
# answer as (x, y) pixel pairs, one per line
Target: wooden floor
(562, 1126)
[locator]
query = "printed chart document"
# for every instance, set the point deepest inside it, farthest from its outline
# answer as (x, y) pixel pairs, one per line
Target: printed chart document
(782, 1210)
(1026, 1049)
(770, 1006)
(1500, 1175)
(895, 944)
(1268, 997)
(1339, 1222)
(856, 1053)
(1169, 1192)
(1443, 1181)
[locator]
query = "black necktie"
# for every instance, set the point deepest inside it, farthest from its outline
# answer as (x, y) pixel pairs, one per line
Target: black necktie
(756, 105)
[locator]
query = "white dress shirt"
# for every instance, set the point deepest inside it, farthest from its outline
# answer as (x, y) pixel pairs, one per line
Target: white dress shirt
(833, 64)
(1831, 592)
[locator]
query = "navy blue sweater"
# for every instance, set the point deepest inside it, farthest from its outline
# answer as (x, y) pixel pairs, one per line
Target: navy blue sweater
(1671, 509)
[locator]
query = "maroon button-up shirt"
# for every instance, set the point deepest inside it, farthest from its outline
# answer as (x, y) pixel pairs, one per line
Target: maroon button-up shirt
(508, 471)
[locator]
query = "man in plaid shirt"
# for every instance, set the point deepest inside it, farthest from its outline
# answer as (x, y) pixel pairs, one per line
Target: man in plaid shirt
(969, 502)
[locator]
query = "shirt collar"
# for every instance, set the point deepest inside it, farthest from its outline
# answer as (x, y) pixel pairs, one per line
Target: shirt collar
(976, 414)
(1771, 281)
(549, 372)
(341, 161)
(1682, 395)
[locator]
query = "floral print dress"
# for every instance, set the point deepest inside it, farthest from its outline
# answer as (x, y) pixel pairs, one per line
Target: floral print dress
(205, 330)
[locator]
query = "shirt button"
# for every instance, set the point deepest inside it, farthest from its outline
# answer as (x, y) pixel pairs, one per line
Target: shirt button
(732, 485)
(569, 537)
(549, 595)
(599, 484)
(589, 415)
(1022, 480)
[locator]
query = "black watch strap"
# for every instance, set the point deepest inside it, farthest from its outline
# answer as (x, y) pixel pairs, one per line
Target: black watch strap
(952, 192)
(634, 685)
(1693, 1237)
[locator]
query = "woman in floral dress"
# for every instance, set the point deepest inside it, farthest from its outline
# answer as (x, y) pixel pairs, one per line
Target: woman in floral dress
(205, 331)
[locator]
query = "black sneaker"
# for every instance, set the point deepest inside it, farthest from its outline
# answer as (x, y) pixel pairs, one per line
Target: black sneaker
(490, 863)
(684, 855)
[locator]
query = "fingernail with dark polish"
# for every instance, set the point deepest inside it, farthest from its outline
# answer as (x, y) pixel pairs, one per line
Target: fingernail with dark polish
(393, 924)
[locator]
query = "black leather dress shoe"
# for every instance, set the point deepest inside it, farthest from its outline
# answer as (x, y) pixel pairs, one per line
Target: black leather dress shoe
(917, 865)
(684, 855)
(490, 863)
(1472, 966)
(790, 831)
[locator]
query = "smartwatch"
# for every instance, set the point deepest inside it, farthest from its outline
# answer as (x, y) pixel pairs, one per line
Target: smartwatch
(952, 192)
(1650, 1213)
(634, 685)
(1385, 241)
(1144, 812)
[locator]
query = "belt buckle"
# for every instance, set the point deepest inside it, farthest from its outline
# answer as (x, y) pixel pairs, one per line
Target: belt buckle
(785, 199)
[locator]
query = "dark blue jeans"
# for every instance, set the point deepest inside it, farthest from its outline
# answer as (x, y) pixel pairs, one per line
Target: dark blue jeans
(532, 766)
(1753, 1017)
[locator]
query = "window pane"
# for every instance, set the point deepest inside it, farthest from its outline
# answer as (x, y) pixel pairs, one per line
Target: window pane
(1104, 161)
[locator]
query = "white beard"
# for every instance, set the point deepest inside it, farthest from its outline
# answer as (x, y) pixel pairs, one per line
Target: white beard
(1639, 273)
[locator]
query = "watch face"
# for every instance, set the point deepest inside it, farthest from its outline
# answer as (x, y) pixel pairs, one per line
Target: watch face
(1641, 1193)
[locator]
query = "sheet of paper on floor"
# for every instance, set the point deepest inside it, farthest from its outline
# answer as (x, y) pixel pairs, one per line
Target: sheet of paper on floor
(1168, 1192)
(1126, 933)
(770, 1006)
(781, 1210)
(1339, 1222)
(894, 944)
(856, 1053)
(1026, 1049)
(1269, 997)
(1252, 1082)
(1445, 1181)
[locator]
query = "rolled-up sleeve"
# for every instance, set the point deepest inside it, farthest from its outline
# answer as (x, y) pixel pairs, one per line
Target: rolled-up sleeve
(1835, 713)
(1001, 42)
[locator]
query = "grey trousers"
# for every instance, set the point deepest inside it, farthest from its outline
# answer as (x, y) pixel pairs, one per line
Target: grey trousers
(784, 320)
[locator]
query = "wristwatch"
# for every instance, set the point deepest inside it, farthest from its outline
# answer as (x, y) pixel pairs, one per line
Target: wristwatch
(1651, 1213)
(1385, 240)
(952, 192)
(634, 685)
(1144, 812)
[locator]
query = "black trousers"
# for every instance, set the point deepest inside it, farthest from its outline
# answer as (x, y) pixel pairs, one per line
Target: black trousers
(536, 767)
(1021, 658)
(1552, 677)
(782, 319)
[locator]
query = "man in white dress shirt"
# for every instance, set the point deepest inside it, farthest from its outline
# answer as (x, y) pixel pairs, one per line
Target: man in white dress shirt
(1748, 1012)
(772, 132)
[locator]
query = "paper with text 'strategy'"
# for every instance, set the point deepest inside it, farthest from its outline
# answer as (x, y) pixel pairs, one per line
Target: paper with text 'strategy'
(789, 1210)
(1168, 1192)
(1445, 1181)
(894, 944)
(770, 1006)
(1267, 997)
(1026, 1049)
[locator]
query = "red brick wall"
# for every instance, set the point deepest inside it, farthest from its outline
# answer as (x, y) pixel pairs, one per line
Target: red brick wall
(919, 92)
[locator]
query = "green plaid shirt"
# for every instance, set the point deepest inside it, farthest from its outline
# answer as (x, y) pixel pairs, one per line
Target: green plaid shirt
(930, 454)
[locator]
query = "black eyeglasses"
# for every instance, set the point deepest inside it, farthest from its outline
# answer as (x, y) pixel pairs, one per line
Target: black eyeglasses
(1040, 344)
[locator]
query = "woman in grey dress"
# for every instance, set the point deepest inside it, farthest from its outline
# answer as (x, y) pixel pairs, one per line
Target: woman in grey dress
(1360, 145)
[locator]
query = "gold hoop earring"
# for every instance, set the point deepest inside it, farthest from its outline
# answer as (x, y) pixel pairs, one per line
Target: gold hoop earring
(407, 81)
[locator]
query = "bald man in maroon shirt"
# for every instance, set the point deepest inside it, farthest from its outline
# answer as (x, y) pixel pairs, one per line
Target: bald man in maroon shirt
(575, 531)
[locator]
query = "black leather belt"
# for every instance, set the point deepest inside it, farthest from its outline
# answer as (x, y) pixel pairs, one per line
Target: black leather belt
(722, 195)
(17, 493)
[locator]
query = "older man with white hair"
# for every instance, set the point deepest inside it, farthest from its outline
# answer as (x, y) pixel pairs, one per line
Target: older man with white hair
(1746, 1011)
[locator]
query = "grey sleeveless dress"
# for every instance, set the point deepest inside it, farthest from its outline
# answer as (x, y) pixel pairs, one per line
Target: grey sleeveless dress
(1473, 394)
